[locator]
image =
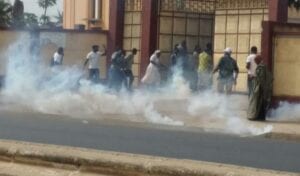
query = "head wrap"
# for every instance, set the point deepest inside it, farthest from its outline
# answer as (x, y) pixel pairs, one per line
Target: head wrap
(228, 50)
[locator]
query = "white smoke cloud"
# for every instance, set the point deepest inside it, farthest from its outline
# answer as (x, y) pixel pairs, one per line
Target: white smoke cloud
(286, 111)
(154, 117)
(65, 91)
(225, 112)
(237, 126)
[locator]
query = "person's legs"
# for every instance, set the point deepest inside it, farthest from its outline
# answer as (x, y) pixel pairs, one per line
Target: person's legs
(228, 87)
(194, 81)
(206, 81)
(110, 78)
(131, 79)
(199, 83)
(249, 84)
(94, 75)
(119, 80)
(97, 75)
(262, 112)
(209, 81)
(90, 74)
(127, 78)
(220, 86)
(114, 78)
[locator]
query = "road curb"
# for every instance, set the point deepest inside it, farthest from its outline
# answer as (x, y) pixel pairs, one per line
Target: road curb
(112, 163)
(282, 136)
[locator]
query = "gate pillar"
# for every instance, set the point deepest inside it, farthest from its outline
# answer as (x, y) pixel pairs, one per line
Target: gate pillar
(116, 26)
(278, 10)
(149, 32)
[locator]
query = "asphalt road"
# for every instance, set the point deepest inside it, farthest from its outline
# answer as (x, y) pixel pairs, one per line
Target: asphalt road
(152, 140)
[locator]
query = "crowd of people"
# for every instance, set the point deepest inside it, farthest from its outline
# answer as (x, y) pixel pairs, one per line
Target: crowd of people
(196, 69)
(120, 71)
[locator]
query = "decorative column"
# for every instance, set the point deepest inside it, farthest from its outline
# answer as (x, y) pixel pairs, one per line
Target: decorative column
(267, 43)
(116, 27)
(149, 32)
(278, 13)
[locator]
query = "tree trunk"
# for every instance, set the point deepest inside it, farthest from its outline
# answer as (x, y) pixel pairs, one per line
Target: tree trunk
(45, 10)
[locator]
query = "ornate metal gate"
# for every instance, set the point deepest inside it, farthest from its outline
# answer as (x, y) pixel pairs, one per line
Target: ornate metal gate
(238, 25)
(190, 20)
(132, 31)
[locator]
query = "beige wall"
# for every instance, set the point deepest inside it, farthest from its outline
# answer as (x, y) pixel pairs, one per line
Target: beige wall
(6, 39)
(76, 45)
(286, 65)
(239, 29)
(79, 12)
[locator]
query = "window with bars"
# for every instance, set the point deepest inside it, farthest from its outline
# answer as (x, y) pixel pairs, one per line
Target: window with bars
(241, 4)
(133, 5)
(96, 9)
(209, 6)
(190, 6)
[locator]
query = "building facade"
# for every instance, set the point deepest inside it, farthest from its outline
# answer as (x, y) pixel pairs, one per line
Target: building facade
(160, 24)
(89, 14)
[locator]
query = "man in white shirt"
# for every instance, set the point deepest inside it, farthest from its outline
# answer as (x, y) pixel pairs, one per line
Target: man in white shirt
(93, 59)
(251, 67)
(58, 57)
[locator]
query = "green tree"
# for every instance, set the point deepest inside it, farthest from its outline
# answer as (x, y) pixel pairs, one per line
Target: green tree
(59, 17)
(5, 13)
(31, 20)
(45, 4)
(295, 3)
(18, 14)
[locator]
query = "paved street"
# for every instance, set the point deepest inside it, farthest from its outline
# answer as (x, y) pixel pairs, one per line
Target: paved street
(152, 140)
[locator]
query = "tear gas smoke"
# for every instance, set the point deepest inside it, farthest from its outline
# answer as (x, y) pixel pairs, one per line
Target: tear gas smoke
(154, 117)
(64, 90)
(225, 112)
(286, 111)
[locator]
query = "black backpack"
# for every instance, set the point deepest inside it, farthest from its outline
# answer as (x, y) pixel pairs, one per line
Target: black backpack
(227, 67)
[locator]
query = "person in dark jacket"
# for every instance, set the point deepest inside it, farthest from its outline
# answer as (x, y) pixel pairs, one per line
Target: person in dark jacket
(228, 72)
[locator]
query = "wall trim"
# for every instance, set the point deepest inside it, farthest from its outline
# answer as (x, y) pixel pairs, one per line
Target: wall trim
(53, 30)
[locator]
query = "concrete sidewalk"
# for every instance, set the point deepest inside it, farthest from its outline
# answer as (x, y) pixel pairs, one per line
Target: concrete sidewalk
(20, 158)
(284, 130)
(234, 120)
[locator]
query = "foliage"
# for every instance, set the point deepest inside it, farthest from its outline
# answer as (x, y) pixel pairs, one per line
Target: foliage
(45, 4)
(295, 3)
(59, 17)
(18, 14)
(45, 19)
(5, 13)
(31, 20)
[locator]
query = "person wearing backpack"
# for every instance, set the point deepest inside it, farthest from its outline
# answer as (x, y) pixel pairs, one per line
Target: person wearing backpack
(228, 72)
